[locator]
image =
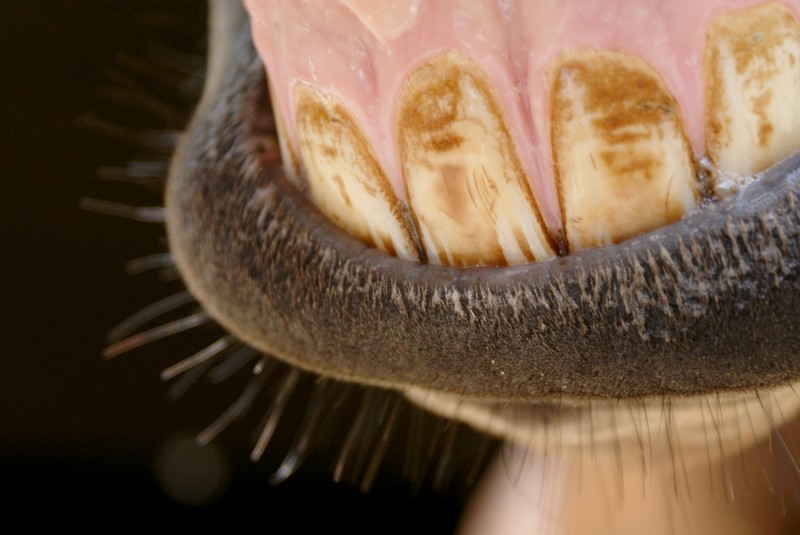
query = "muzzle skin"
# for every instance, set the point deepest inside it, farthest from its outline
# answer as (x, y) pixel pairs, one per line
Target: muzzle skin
(708, 304)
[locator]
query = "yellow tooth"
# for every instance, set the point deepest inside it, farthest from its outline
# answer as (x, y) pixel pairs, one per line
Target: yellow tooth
(622, 161)
(466, 190)
(752, 89)
(345, 180)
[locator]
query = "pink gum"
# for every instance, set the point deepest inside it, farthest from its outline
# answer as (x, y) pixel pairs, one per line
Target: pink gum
(324, 44)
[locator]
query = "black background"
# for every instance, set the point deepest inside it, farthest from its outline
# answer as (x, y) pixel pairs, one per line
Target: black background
(78, 435)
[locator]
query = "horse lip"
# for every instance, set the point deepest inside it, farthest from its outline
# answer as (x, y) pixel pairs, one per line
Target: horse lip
(707, 304)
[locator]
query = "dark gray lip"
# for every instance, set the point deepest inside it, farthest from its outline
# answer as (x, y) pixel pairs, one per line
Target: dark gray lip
(707, 304)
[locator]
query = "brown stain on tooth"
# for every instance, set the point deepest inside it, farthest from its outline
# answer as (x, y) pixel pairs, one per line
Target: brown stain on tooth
(345, 180)
(623, 164)
(752, 89)
(466, 190)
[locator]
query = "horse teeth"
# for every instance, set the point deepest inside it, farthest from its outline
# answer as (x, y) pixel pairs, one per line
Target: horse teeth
(622, 161)
(466, 189)
(345, 181)
(502, 133)
(752, 67)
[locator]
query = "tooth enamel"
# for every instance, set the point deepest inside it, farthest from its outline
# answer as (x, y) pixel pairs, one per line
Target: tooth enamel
(345, 180)
(622, 161)
(466, 190)
(752, 90)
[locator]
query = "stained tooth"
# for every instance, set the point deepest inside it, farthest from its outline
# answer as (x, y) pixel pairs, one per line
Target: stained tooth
(345, 180)
(622, 161)
(752, 89)
(466, 190)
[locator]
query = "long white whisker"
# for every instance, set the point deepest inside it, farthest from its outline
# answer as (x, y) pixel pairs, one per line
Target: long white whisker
(275, 412)
(379, 450)
(726, 474)
(185, 381)
(146, 263)
(355, 431)
(317, 406)
(201, 356)
(143, 214)
(236, 410)
(777, 434)
(157, 333)
(162, 141)
(232, 364)
(149, 313)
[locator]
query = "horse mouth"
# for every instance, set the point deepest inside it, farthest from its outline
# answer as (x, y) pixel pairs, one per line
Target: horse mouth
(705, 304)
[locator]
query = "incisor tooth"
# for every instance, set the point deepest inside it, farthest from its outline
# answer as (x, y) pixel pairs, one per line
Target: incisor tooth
(622, 160)
(468, 194)
(345, 180)
(752, 89)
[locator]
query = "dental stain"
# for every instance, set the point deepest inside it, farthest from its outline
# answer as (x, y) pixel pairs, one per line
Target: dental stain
(622, 160)
(470, 199)
(344, 179)
(752, 90)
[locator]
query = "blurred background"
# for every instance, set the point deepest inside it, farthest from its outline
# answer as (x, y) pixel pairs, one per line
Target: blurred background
(78, 432)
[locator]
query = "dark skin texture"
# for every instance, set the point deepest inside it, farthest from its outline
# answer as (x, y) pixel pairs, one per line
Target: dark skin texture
(708, 304)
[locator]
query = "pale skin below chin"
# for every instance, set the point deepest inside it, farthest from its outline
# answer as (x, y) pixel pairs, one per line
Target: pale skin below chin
(559, 496)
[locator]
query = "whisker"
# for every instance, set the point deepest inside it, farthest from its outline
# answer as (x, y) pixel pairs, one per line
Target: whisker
(186, 63)
(185, 381)
(232, 364)
(151, 174)
(379, 450)
(742, 461)
(677, 457)
(159, 141)
(618, 456)
(777, 434)
(444, 459)
(236, 410)
(165, 77)
(762, 461)
(138, 98)
(702, 409)
(144, 214)
(156, 333)
(640, 441)
(726, 473)
(786, 430)
(413, 448)
(117, 175)
(375, 414)
(146, 263)
(168, 274)
(356, 430)
(433, 439)
(482, 451)
(317, 405)
(201, 356)
(147, 314)
(274, 413)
